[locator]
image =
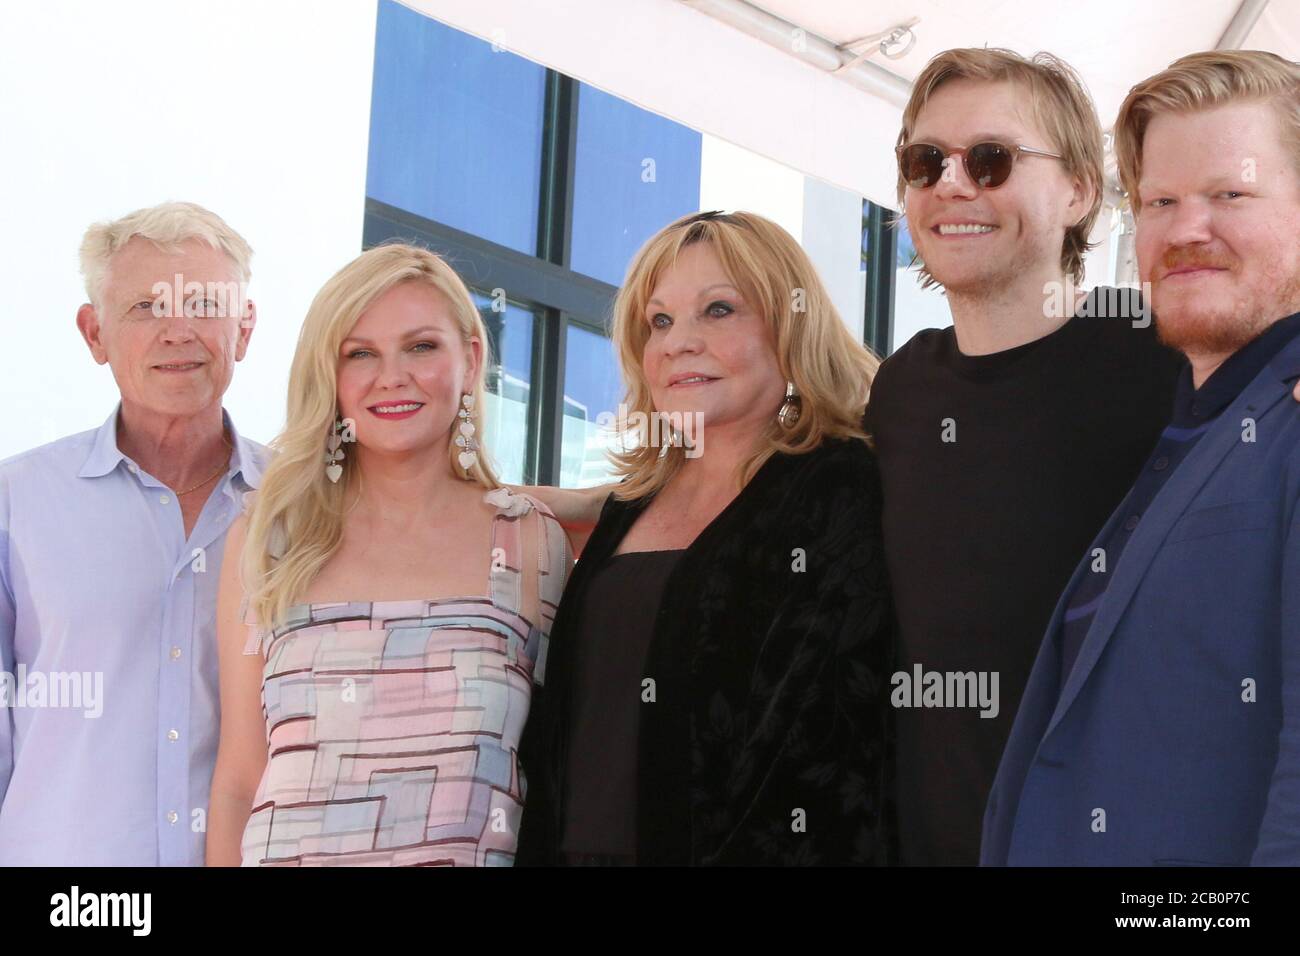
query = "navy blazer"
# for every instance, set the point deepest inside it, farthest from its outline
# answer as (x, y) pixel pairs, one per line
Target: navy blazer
(1176, 738)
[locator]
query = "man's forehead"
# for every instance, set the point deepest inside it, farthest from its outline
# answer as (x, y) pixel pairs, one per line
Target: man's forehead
(1210, 144)
(194, 260)
(984, 109)
(1160, 161)
(140, 249)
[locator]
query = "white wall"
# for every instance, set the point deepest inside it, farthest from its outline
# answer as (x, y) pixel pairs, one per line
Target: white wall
(257, 109)
(824, 219)
(832, 237)
(733, 178)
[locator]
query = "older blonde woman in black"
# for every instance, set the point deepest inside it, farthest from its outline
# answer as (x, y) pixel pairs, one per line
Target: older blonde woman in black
(717, 682)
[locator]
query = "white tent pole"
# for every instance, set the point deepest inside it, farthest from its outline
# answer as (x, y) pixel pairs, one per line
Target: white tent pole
(1243, 21)
(812, 49)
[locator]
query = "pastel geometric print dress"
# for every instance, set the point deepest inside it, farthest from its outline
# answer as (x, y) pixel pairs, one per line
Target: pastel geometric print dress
(393, 726)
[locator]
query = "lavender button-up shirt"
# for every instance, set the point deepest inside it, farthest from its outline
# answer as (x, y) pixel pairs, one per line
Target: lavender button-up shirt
(108, 656)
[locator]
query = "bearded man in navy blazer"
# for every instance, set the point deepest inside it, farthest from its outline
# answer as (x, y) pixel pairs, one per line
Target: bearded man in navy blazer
(1161, 722)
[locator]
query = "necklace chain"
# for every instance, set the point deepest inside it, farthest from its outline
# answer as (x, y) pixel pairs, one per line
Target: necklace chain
(223, 467)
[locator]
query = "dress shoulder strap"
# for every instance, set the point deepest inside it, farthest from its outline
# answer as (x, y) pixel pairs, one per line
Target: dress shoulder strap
(553, 559)
(554, 562)
(256, 636)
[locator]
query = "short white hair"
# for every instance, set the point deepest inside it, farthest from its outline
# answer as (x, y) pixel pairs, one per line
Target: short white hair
(166, 225)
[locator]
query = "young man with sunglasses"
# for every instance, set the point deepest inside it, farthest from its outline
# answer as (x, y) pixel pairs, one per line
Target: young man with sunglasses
(1006, 440)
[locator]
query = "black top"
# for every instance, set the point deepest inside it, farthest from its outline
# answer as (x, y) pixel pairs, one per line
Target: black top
(766, 739)
(614, 631)
(998, 471)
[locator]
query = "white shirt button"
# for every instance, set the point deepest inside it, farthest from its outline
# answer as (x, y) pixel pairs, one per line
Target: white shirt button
(131, 467)
(173, 735)
(164, 500)
(176, 653)
(172, 816)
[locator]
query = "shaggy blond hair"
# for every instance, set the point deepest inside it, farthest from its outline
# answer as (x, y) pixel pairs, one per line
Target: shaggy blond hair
(1201, 81)
(166, 225)
(1059, 105)
(296, 522)
(831, 370)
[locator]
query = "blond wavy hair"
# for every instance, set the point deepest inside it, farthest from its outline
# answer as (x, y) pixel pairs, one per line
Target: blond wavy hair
(296, 521)
(831, 370)
(1059, 105)
(1202, 81)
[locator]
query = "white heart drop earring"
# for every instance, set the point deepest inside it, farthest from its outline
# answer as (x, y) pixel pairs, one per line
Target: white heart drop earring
(334, 450)
(468, 445)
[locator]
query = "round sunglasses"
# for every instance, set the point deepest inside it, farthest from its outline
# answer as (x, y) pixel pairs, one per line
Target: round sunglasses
(987, 164)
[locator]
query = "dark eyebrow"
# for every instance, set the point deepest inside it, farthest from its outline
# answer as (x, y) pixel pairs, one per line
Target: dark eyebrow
(422, 330)
(703, 292)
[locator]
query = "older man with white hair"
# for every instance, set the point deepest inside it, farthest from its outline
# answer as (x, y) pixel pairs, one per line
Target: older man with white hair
(111, 545)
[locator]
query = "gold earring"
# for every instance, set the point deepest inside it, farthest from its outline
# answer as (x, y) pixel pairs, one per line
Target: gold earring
(791, 409)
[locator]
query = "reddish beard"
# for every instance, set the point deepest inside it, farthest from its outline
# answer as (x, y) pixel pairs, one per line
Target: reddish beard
(1205, 331)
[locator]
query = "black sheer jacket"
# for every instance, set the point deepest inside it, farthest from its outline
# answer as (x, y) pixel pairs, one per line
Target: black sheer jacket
(766, 741)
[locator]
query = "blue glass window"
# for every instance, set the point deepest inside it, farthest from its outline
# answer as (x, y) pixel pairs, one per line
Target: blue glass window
(592, 385)
(907, 255)
(634, 173)
(455, 129)
(509, 384)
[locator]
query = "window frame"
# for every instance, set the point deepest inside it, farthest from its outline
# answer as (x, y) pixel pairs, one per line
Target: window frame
(878, 262)
(543, 282)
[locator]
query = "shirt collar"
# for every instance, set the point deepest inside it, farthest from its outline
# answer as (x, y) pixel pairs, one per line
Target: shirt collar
(105, 455)
(1194, 406)
(243, 461)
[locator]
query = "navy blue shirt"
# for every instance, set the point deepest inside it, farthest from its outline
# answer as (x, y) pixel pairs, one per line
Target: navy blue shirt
(1195, 410)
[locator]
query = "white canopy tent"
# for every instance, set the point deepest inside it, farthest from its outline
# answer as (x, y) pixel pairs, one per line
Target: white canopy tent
(820, 85)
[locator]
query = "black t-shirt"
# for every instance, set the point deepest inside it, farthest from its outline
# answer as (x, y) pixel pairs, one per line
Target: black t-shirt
(998, 471)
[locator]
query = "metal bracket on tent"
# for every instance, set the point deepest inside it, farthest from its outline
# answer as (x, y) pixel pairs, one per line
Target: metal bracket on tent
(885, 42)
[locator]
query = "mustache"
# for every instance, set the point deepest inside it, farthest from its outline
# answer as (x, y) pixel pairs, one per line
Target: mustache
(1183, 257)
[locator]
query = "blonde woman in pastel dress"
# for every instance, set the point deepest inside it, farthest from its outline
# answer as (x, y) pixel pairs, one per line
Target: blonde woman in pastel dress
(384, 611)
